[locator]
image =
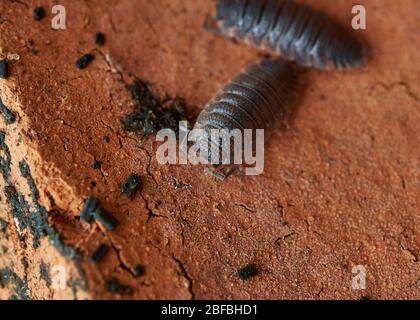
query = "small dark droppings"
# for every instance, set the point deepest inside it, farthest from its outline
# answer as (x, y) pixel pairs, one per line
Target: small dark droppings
(84, 61)
(3, 69)
(89, 207)
(99, 253)
(97, 165)
(247, 272)
(131, 185)
(105, 218)
(99, 38)
(39, 13)
(114, 286)
(139, 270)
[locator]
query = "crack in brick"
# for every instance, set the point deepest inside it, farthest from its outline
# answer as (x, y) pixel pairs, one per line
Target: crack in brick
(123, 265)
(393, 85)
(182, 222)
(186, 275)
(19, 2)
(285, 237)
(245, 207)
(112, 67)
(180, 265)
(149, 164)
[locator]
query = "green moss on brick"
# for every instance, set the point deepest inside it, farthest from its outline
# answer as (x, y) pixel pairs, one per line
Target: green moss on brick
(152, 113)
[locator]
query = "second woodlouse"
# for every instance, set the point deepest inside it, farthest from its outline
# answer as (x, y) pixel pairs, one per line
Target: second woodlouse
(255, 99)
(294, 31)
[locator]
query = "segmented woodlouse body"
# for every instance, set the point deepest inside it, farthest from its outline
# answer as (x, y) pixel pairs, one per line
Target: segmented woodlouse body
(255, 99)
(291, 30)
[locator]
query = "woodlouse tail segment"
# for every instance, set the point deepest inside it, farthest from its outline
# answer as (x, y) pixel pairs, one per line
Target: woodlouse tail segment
(346, 54)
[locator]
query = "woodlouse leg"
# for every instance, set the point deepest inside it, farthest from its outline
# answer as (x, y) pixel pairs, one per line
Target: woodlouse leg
(220, 172)
(211, 26)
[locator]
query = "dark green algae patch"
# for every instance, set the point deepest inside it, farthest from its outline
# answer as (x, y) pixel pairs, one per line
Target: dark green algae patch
(151, 112)
(21, 291)
(32, 216)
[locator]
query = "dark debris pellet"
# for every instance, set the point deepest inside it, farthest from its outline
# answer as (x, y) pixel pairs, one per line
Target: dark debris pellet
(84, 60)
(139, 270)
(247, 272)
(3, 69)
(89, 208)
(105, 218)
(97, 165)
(112, 285)
(131, 185)
(39, 13)
(99, 38)
(99, 253)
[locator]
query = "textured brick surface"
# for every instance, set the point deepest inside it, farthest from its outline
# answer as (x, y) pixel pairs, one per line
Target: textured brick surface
(341, 186)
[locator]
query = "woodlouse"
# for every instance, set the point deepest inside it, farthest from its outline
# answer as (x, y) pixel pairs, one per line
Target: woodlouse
(255, 99)
(294, 31)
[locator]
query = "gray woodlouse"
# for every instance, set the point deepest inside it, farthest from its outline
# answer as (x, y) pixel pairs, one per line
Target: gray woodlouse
(255, 99)
(294, 31)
